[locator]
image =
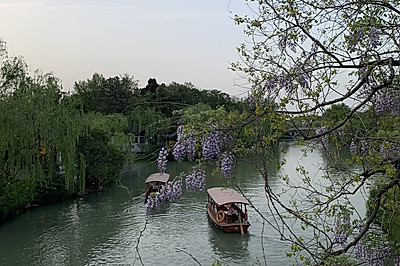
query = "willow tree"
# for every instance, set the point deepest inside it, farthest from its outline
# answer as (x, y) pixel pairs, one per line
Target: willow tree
(39, 130)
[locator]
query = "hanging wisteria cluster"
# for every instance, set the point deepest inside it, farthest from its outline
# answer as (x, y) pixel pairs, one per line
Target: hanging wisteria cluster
(376, 255)
(196, 180)
(252, 99)
(169, 192)
(162, 160)
(226, 164)
(185, 145)
(388, 102)
(387, 151)
(373, 256)
(363, 148)
(211, 146)
(190, 147)
(353, 148)
(341, 228)
(321, 131)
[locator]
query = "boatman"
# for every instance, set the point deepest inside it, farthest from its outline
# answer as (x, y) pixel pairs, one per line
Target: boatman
(232, 212)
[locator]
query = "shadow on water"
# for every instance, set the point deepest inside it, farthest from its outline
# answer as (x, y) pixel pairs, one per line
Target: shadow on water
(229, 246)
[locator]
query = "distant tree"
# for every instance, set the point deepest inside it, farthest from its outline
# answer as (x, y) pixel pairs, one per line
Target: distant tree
(103, 161)
(108, 96)
(337, 112)
(216, 98)
(151, 86)
(176, 96)
(88, 92)
(116, 96)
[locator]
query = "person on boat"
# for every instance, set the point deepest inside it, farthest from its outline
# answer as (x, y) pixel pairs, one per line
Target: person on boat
(232, 213)
(154, 187)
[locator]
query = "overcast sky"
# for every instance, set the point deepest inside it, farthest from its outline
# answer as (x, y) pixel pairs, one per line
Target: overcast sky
(174, 40)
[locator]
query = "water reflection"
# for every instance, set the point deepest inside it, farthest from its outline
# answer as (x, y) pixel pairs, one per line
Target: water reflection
(103, 228)
(229, 246)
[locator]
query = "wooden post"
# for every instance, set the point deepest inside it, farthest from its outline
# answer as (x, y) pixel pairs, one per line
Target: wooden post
(240, 223)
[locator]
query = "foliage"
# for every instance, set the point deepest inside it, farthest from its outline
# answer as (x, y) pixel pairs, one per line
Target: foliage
(39, 132)
(312, 59)
(146, 122)
(175, 96)
(115, 126)
(54, 145)
(388, 215)
(103, 161)
(14, 196)
(336, 113)
(305, 61)
(216, 263)
(107, 96)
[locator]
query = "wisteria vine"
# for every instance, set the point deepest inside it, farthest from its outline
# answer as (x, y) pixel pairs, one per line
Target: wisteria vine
(170, 192)
(211, 146)
(196, 180)
(162, 160)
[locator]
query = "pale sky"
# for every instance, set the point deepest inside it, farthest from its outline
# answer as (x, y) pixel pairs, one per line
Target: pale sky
(170, 40)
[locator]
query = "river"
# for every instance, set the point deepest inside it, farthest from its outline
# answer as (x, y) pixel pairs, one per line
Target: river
(104, 228)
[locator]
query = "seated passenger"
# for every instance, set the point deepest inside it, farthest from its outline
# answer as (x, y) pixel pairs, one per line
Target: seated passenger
(232, 213)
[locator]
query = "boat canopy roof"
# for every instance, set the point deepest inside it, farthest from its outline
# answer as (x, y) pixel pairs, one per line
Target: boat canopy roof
(223, 196)
(157, 177)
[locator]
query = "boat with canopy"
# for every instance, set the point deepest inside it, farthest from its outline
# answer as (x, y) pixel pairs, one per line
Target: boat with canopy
(227, 210)
(154, 183)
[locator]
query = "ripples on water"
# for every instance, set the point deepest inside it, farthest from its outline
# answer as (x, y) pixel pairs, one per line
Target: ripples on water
(103, 228)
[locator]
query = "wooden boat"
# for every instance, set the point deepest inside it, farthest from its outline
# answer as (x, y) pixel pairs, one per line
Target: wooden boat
(154, 183)
(221, 207)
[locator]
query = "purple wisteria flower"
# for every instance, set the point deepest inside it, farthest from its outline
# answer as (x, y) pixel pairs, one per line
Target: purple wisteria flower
(211, 146)
(372, 255)
(285, 81)
(179, 151)
(364, 149)
(196, 180)
(389, 151)
(226, 164)
(374, 37)
(285, 42)
(184, 146)
(252, 100)
(190, 147)
(169, 192)
(353, 148)
(321, 131)
(302, 77)
(388, 102)
(162, 160)
(341, 228)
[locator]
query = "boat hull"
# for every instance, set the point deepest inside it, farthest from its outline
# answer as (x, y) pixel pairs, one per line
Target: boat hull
(234, 227)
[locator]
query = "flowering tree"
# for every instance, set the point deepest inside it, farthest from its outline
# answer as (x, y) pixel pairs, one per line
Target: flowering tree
(329, 70)
(304, 60)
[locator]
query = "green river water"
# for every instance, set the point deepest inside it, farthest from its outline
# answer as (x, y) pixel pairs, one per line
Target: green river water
(103, 228)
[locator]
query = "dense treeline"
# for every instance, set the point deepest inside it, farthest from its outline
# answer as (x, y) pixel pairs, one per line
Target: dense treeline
(55, 145)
